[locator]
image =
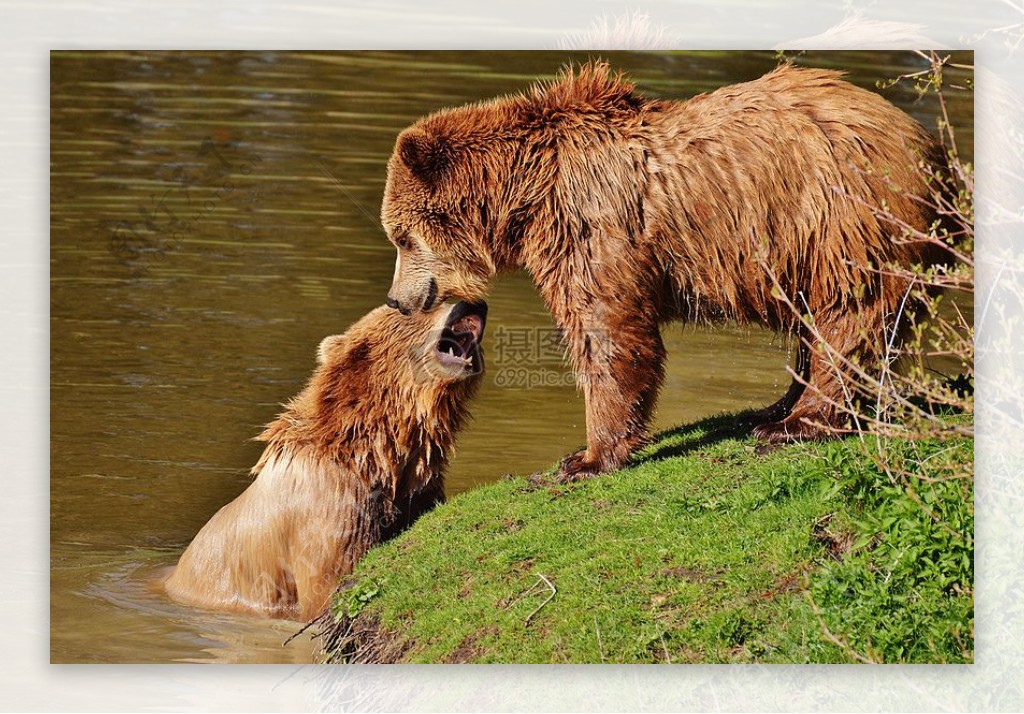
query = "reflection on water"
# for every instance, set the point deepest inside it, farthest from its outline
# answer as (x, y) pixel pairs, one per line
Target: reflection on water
(213, 217)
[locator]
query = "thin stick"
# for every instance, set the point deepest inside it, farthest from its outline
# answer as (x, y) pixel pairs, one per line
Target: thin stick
(550, 598)
(314, 621)
(835, 640)
(668, 657)
(523, 594)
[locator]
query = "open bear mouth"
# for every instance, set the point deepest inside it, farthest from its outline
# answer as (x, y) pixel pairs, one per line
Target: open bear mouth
(459, 344)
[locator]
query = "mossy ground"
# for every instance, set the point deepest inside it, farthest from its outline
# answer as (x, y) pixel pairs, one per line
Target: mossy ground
(704, 550)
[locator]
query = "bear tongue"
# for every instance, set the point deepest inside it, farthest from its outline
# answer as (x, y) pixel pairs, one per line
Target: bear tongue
(467, 325)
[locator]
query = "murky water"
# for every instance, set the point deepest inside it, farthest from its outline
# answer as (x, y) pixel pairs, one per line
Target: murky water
(213, 216)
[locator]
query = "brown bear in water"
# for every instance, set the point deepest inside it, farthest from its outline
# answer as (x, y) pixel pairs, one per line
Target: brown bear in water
(629, 212)
(355, 458)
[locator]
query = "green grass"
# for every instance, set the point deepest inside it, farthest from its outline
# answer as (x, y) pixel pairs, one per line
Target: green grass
(703, 551)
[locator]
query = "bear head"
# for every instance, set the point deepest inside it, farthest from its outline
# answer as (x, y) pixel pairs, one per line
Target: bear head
(436, 207)
(411, 358)
(467, 187)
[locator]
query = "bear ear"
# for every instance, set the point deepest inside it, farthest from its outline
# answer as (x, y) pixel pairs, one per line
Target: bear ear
(427, 156)
(329, 346)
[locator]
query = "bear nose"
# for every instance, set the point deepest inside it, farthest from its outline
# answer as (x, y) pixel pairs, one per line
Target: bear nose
(394, 304)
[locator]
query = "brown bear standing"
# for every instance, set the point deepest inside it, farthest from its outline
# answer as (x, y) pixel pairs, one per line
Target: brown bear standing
(629, 212)
(355, 458)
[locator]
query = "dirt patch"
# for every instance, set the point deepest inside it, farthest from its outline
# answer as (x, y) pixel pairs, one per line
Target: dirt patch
(837, 542)
(763, 448)
(695, 575)
(358, 640)
(512, 525)
(468, 650)
(788, 583)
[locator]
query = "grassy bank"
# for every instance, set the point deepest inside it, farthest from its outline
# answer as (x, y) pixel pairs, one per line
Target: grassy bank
(705, 550)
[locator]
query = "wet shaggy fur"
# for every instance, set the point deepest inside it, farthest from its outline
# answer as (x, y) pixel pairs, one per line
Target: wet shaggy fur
(355, 458)
(629, 212)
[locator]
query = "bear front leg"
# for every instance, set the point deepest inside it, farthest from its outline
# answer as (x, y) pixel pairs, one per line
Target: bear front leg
(619, 364)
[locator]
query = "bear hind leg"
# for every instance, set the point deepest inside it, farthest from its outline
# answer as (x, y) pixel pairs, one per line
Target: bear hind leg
(823, 409)
(782, 408)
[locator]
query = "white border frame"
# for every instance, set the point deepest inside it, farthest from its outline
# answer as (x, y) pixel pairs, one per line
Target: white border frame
(993, 28)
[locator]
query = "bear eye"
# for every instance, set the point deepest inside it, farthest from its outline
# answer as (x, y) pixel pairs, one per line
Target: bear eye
(402, 240)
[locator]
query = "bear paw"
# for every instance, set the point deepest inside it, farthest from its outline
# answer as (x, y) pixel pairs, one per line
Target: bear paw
(577, 467)
(791, 430)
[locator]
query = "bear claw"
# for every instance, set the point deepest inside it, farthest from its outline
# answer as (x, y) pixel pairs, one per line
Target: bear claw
(577, 467)
(790, 431)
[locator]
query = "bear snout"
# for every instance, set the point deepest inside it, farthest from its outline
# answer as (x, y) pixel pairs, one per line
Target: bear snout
(392, 303)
